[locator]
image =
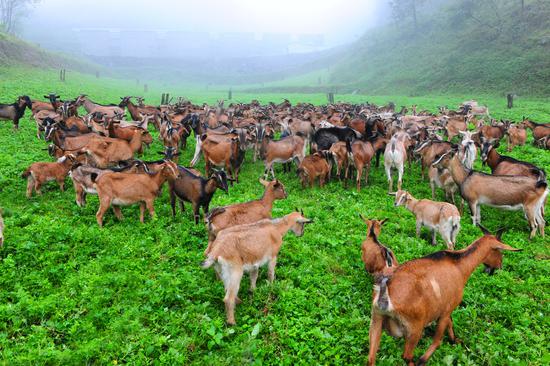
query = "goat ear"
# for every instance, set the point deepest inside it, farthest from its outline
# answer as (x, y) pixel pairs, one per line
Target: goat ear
(363, 218)
(500, 232)
(502, 246)
(383, 221)
(484, 230)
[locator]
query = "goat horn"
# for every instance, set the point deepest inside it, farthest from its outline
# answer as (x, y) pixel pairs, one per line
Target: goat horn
(484, 230)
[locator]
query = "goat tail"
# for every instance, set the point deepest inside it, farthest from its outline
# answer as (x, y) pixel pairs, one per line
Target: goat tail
(383, 296)
(26, 173)
(388, 254)
(207, 263)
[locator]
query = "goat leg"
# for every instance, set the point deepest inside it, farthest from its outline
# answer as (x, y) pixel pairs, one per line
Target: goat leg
(410, 343)
(253, 278)
(375, 332)
(118, 212)
(438, 336)
(141, 211)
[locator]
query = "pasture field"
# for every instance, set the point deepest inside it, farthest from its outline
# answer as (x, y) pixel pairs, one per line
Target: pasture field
(73, 294)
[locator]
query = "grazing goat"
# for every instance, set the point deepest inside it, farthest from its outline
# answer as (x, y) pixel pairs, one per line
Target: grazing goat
(107, 110)
(516, 136)
(123, 189)
(377, 258)
(284, 150)
(502, 191)
(395, 156)
(106, 152)
(244, 213)
(439, 217)
(15, 111)
(190, 187)
(39, 173)
(506, 165)
(425, 290)
(227, 151)
(316, 165)
(540, 130)
(247, 248)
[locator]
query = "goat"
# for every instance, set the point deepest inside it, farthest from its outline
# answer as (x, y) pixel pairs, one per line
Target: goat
(506, 165)
(495, 132)
(439, 217)
(428, 150)
(246, 248)
(284, 150)
(454, 126)
(81, 175)
(377, 258)
(316, 165)
(127, 133)
(442, 178)
(107, 110)
(244, 213)
(122, 189)
(395, 156)
(105, 152)
(425, 290)
(540, 130)
(15, 111)
(193, 188)
(340, 155)
(513, 192)
(323, 138)
(51, 105)
(39, 173)
(227, 151)
(361, 154)
(517, 135)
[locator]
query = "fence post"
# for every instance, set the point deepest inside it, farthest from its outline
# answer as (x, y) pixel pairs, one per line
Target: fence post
(230, 94)
(510, 98)
(145, 88)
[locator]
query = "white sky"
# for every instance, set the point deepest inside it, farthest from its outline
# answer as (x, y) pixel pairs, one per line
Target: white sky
(339, 20)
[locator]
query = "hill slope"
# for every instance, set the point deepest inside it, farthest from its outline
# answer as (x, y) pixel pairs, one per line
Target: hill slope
(15, 52)
(465, 46)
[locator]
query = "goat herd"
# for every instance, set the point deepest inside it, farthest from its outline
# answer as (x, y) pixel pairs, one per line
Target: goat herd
(98, 152)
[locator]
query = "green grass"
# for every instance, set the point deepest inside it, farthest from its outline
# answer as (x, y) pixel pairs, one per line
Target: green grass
(72, 293)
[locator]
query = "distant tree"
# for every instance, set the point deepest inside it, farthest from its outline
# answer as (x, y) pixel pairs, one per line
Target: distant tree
(403, 9)
(10, 10)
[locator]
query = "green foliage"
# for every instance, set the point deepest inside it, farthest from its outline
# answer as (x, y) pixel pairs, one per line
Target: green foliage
(72, 293)
(466, 46)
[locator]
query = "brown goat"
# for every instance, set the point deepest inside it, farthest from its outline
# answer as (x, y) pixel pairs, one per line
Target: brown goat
(244, 213)
(123, 189)
(362, 153)
(247, 248)
(316, 165)
(540, 130)
(517, 135)
(377, 258)
(39, 173)
(105, 153)
(284, 150)
(340, 154)
(425, 290)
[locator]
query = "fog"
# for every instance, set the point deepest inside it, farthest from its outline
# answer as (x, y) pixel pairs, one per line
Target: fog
(308, 25)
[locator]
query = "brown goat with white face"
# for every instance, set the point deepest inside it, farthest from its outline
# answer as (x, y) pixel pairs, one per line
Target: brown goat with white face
(513, 192)
(377, 258)
(244, 213)
(506, 165)
(439, 217)
(246, 248)
(39, 173)
(316, 165)
(425, 290)
(123, 189)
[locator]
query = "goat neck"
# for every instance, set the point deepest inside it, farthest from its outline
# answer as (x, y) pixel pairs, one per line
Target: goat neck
(458, 171)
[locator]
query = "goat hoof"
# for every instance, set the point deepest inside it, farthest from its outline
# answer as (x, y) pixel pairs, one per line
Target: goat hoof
(420, 362)
(456, 341)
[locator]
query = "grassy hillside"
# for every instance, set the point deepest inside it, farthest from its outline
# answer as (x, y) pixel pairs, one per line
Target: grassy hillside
(15, 52)
(465, 46)
(73, 294)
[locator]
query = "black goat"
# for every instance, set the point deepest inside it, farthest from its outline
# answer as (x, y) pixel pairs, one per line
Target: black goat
(325, 137)
(196, 190)
(15, 111)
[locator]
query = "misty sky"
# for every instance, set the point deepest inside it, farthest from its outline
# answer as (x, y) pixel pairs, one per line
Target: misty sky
(340, 21)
